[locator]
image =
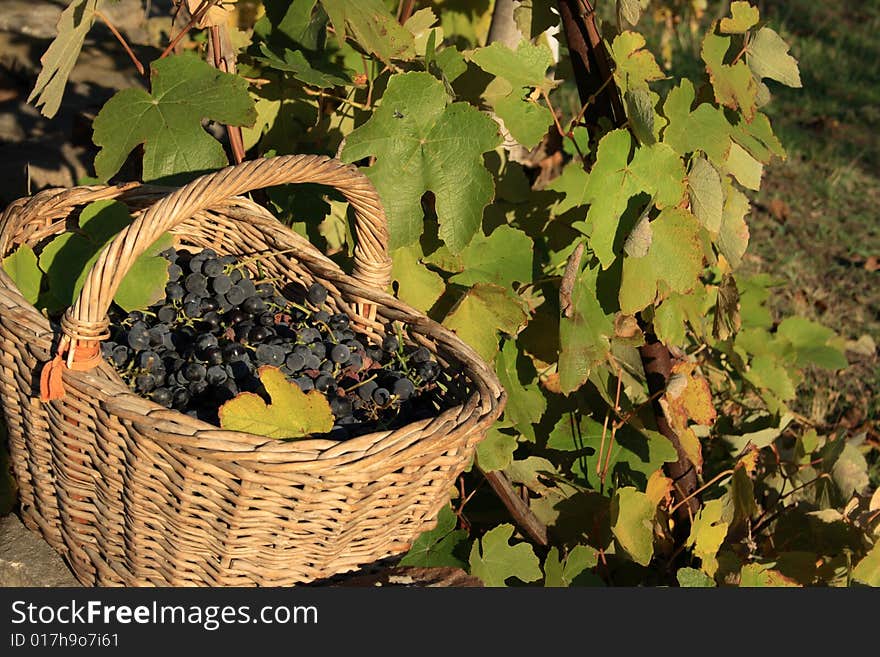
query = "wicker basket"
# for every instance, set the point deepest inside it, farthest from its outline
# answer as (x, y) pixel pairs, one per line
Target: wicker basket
(131, 493)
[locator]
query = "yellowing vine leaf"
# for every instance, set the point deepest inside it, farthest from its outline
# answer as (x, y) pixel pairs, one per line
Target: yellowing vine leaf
(758, 575)
(59, 59)
(291, 413)
(767, 55)
(484, 311)
(632, 523)
(743, 17)
(704, 129)
(734, 84)
(707, 534)
(636, 65)
(372, 26)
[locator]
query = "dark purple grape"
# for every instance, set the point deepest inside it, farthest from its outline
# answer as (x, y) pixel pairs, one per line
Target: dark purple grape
(420, 355)
(316, 294)
(403, 388)
(295, 362)
(221, 284)
(390, 343)
(381, 396)
(323, 382)
(194, 372)
(215, 375)
(366, 389)
(161, 396)
(340, 354)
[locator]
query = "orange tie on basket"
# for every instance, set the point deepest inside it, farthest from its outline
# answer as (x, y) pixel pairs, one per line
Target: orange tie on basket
(86, 355)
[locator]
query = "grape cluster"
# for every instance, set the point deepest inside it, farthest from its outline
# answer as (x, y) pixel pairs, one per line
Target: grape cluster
(204, 342)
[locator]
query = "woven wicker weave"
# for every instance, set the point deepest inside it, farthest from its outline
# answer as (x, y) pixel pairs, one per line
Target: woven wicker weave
(132, 493)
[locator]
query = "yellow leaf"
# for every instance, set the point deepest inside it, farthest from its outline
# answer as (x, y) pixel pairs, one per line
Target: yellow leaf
(659, 488)
(292, 413)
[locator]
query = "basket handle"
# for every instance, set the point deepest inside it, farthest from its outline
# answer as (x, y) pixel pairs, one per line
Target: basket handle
(86, 321)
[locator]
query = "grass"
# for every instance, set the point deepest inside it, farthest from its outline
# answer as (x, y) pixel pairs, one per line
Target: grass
(816, 221)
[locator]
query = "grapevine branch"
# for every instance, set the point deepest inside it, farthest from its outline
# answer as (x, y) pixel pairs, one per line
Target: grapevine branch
(122, 41)
(600, 97)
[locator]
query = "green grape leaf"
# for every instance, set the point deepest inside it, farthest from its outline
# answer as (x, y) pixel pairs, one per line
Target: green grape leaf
(494, 560)
(631, 10)
(167, 120)
(451, 63)
(746, 169)
(867, 571)
(560, 572)
(707, 534)
(693, 578)
(523, 68)
(635, 66)
(574, 433)
(502, 258)
(584, 336)
(286, 21)
(734, 85)
(295, 62)
(69, 257)
(643, 118)
(677, 309)
(632, 523)
(526, 120)
(495, 451)
(61, 55)
(706, 194)
(415, 284)
(850, 472)
(484, 311)
(422, 25)
(21, 265)
(743, 18)
(704, 129)
(675, 258)
(533, 17)
(437, 547)
(422, 144)
(373, 27)
(733, 236)
(526, 403)
(812, 343)
(755, 575)
(291, 413)
(766, 372)
(517, 73)
(655, 170)
(634, 456)
(144, 283)
(767, 56)
(572, 184)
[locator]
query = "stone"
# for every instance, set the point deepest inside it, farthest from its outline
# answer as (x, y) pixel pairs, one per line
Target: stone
(27, 560)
